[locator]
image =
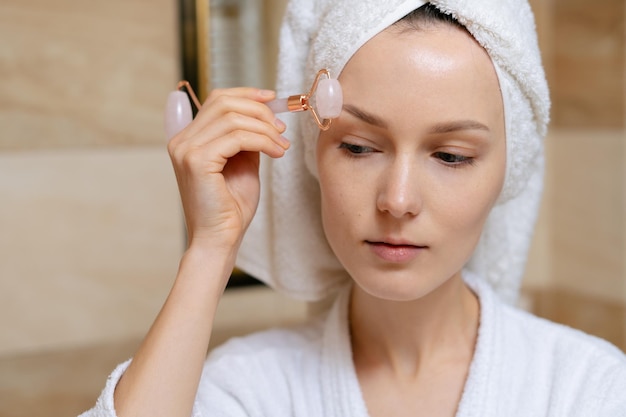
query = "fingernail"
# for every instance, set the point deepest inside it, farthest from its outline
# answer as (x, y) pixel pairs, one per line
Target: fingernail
(280, 124)
(285, 142)
(266, 93)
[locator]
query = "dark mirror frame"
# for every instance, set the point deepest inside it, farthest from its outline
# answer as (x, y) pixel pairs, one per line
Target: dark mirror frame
(193, 15)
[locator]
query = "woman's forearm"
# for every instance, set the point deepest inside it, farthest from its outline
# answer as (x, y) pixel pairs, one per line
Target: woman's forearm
(216, 162)
(163, 377)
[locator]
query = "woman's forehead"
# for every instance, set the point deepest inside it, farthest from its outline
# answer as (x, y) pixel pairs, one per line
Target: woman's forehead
(441, 70)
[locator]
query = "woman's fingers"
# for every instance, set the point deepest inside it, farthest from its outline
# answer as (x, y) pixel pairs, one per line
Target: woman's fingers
(232, 121)
(223, 113)
(245, 101)
(231, 144)
(232, 134)
(250, 93)
(216, 160)
(211, 158)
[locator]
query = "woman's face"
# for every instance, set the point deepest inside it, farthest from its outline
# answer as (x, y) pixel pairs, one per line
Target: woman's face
(413, 165)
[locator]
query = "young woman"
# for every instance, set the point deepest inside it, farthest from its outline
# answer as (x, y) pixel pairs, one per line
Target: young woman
(413, 211)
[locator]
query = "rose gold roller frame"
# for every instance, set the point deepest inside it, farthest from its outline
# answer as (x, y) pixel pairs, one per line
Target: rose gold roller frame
(190, 91)
(301, 102)
(295, 103)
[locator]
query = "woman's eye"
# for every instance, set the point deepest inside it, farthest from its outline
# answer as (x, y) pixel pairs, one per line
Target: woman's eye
(453, 159)
(355, 149)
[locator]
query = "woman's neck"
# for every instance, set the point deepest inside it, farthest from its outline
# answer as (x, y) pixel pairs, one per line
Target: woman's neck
(406, 337)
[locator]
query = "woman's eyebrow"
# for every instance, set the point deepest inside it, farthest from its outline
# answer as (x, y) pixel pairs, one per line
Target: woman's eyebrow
(439, 128)
(457, 125)
(364, 116)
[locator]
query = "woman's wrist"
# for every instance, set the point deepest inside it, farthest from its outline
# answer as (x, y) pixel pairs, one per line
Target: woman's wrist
(207, 264)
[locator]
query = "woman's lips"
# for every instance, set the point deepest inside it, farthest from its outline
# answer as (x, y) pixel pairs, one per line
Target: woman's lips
(396, 253)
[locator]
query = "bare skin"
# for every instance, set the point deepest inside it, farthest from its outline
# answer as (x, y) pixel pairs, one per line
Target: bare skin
(216, 160)
(416, 370)
(409, 173)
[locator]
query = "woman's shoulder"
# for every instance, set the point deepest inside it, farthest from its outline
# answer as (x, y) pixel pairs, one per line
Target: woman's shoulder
(281, 344)
(563, 342)
(274, 370)
(544, 365)
(517, 329)
(581, 372)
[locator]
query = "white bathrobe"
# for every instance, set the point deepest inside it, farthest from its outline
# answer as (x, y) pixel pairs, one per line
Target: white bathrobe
(523, 366)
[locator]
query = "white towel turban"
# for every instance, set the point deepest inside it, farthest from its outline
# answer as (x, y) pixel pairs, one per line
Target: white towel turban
(285, 245)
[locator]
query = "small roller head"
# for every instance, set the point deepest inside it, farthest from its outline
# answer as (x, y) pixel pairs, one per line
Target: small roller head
(328, 99)
(177, 113)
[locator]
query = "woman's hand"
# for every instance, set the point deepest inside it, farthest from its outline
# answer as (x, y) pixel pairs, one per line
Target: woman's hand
(216, 161)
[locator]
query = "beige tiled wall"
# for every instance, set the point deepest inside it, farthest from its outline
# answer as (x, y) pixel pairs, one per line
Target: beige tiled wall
(587, 71)
(90, 228)
(588, 212)
(90, 223)
(89, 243)
(76, 73)
(577, 271)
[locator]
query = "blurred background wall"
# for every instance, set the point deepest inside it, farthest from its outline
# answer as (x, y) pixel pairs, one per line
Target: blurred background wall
(90, 224)
(577, 271)
(90, 229)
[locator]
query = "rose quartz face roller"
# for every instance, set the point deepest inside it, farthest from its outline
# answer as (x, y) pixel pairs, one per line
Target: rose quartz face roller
(324, 100)
(178, 112)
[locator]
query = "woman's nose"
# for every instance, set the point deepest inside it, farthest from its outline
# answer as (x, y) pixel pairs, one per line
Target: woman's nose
(399, 194)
